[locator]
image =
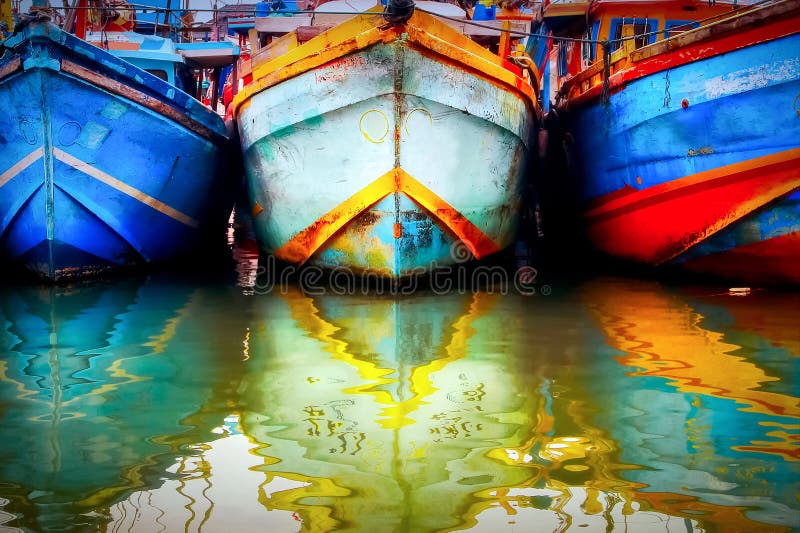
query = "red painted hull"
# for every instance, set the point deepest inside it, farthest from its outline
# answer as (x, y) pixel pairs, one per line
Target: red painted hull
(776, 260)
(657, 224)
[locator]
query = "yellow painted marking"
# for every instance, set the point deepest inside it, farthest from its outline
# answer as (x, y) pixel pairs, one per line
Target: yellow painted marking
(422, 32)
(21, 165)
(473, 238)
(395, 413)
(305, 243)
(421, 110)
(385, 125)
(123, 187)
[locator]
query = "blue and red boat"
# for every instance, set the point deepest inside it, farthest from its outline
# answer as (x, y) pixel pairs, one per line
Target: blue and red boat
(104, 163)
(685, 117)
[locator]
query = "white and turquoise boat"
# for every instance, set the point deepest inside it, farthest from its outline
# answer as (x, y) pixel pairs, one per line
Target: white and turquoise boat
(382, 147)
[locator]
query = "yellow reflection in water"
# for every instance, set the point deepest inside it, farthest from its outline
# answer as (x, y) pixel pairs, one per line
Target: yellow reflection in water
(662, 336)
(392, 420)
(427, 413)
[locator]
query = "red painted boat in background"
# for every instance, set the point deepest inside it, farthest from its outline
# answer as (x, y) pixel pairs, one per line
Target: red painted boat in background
(686, 125)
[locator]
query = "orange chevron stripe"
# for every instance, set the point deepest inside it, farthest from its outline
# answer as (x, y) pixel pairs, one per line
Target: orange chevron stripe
(478, 243)
(303, 245)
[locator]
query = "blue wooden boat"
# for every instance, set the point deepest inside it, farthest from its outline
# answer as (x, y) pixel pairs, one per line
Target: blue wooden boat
(687, 138)
(384, 148)
(103, 163)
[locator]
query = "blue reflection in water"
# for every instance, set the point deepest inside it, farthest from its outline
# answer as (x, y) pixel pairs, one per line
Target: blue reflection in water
(158, 404)
(100, 386)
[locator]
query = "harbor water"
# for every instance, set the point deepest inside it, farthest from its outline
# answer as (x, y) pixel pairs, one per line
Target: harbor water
(239, 401)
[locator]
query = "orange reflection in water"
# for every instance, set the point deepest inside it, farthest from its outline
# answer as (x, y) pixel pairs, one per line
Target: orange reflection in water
(661, 335)
(397, 415)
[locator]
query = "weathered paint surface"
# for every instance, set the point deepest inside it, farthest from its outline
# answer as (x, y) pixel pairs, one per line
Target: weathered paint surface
(370, 242)
(764, 246)
(676, 156)
(90, 179)
(381, 159)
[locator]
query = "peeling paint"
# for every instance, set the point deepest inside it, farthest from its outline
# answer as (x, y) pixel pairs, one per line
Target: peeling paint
(700, 151)
(93, 135)
(114, 110)
(752, 78)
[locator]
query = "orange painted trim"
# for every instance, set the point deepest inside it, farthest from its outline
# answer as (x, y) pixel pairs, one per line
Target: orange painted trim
(10, 68)
(571, 9)
(303, 245)
(306, 243)
(431, 34)
(473, 238)
(122, 45)
(659, 223)
(422, 31)
(326, 47)
(620, 205)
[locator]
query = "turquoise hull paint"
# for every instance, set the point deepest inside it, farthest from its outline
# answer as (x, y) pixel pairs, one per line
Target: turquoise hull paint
(93, 181)
(313, 141)
(368, 243)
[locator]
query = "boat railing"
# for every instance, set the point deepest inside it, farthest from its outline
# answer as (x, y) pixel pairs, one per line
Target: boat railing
(621, 59)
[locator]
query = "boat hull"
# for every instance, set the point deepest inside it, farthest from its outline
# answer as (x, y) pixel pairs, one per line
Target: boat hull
(386, 160)
(94, 179)
(680, 156)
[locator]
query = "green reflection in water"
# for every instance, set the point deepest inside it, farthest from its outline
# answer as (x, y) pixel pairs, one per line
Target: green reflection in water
(100, 387)
(158, 405)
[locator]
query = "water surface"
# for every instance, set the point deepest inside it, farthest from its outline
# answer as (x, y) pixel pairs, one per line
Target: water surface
(160, 403)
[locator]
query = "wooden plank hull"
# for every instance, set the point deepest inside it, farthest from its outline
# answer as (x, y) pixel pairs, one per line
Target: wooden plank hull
(385, 159)
(100, 169)
(696, 159)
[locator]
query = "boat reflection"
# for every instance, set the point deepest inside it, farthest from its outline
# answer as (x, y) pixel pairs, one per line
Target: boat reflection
(442, 413)
(101, 385)
(709, 401)
(146, 406)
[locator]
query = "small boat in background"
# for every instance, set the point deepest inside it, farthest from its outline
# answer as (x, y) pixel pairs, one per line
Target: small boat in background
(384, 143)
(103, 163)
(686, 125)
